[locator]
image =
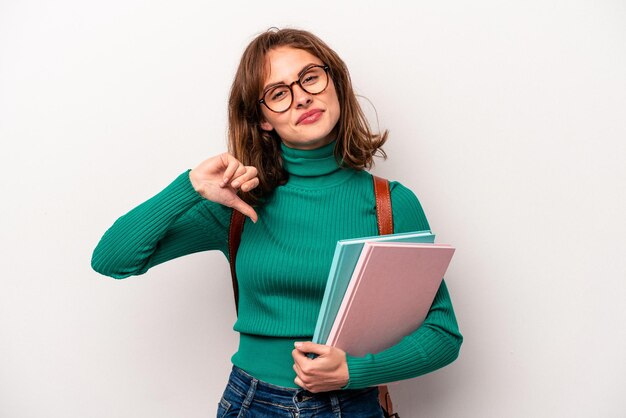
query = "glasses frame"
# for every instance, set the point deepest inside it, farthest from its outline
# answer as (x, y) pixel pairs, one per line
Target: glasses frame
(299, 83)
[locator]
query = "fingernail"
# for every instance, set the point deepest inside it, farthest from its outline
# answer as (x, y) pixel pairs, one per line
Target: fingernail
(297, 345)
(235, 184)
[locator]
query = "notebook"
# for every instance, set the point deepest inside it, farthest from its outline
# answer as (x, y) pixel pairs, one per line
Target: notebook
(344, 260)
(389, 295)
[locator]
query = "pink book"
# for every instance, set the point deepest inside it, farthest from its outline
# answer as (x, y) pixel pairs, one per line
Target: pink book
(390, 293)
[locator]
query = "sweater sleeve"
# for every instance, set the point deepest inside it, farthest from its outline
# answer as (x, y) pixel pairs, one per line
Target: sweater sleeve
(175, 222)
(434, 344)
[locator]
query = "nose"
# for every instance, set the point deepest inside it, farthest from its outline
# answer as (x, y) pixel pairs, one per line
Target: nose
(300, 97)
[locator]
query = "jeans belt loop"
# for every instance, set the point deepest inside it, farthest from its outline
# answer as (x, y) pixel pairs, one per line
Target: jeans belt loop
(250, 394)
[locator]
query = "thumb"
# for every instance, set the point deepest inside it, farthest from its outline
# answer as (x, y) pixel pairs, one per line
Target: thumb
(244, 208)
(311, 347)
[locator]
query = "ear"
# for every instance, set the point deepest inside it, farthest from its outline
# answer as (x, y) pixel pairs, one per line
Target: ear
(266, 126)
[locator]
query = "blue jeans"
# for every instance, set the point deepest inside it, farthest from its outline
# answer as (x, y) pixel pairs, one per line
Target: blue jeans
(246, 396)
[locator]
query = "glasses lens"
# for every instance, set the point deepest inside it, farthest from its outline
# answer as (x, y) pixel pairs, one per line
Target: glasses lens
(278, 98)
(314, 80)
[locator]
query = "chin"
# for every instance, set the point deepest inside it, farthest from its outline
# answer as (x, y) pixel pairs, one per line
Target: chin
(307, 143)
(320, 134)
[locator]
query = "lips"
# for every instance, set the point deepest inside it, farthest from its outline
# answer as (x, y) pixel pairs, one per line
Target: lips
(308, 114)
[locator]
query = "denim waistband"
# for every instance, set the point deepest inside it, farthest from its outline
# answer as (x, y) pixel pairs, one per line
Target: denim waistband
(263, 392)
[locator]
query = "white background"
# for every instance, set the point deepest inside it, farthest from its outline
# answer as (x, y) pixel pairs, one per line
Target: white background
(507, 119)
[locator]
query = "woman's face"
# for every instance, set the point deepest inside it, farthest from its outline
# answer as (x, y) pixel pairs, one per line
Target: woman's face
(283, 64)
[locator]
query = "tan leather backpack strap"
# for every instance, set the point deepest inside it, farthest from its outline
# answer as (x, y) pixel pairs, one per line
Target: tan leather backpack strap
(384, 215)
(235, 230)
(384, 399)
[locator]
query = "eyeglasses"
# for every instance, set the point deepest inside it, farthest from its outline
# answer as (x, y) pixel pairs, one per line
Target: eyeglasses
(312, 79)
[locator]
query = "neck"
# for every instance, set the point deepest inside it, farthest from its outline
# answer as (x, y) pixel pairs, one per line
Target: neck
(313, 168)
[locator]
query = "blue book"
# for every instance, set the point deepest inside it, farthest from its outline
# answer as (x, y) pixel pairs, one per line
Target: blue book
(346, 255)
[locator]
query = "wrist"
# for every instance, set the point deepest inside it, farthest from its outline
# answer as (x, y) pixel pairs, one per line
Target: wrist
(194, 181)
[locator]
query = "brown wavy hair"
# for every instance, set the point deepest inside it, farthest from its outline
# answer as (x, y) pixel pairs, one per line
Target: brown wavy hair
(355, 146)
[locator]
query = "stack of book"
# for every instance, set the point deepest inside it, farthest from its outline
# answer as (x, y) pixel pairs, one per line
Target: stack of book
(380, 289)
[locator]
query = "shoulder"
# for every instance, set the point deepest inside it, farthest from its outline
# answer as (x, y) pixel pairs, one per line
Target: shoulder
(408, 213)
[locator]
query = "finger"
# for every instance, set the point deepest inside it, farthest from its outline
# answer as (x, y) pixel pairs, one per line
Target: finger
(240, 171)
(233, 165)
(249, 185)
(300, 383)
(303, 380)
(298, 371)
(236, 181)
(249, 173)
(299, 358)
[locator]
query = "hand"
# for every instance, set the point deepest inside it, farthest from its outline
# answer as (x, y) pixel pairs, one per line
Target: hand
(328, 371)
(218, 179)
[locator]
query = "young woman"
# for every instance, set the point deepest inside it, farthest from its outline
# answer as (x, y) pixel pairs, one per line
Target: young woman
(299, 146)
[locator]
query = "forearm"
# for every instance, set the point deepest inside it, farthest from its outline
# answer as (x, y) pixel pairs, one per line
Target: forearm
(153, 232)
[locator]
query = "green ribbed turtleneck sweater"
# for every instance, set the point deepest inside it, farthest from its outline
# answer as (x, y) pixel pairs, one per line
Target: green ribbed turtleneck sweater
(283, 262)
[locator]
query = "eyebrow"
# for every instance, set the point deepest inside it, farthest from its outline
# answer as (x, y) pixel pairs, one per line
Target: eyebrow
(281, 83)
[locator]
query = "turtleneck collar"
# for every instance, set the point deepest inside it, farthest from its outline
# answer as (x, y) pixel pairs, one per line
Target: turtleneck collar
(313, 168)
